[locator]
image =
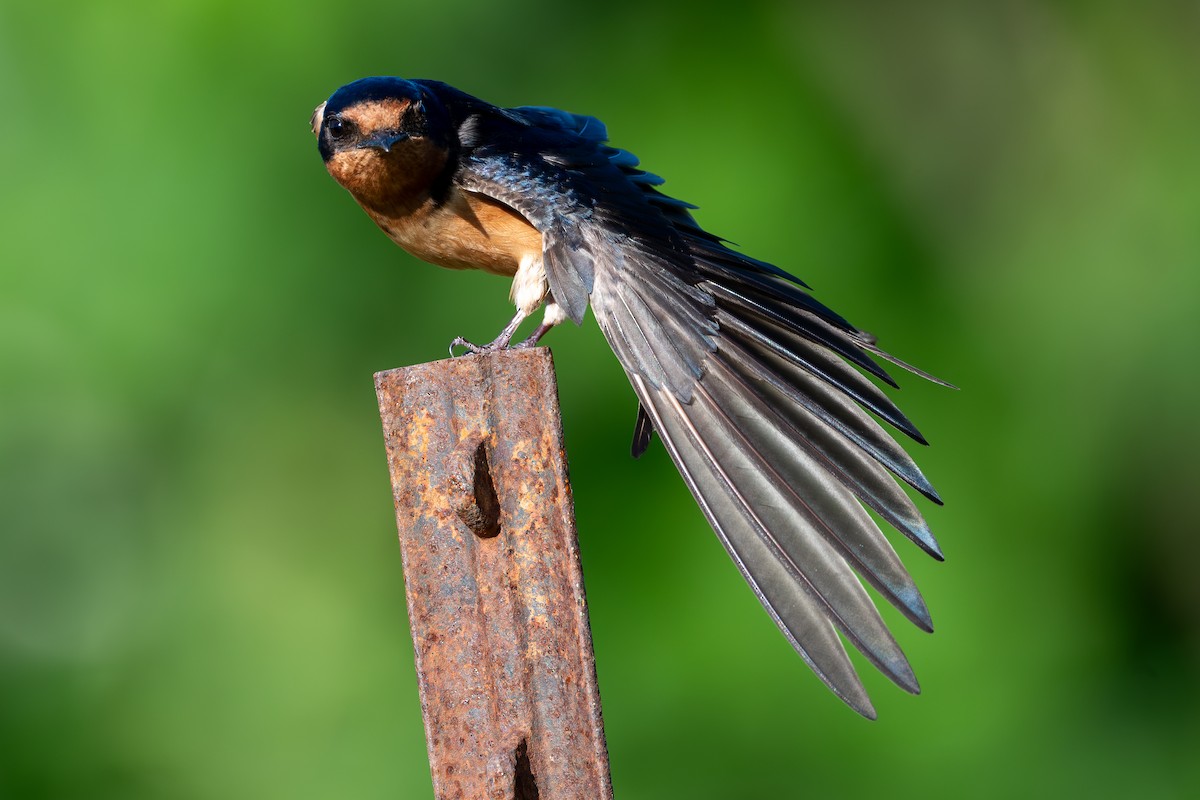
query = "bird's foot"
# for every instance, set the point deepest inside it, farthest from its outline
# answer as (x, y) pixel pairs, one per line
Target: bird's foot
(504, 340)
(502, 343)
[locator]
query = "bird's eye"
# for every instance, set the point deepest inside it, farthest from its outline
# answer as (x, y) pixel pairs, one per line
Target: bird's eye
(338, 128)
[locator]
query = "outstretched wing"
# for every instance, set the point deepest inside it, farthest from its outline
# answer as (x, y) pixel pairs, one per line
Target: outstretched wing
(750, 382)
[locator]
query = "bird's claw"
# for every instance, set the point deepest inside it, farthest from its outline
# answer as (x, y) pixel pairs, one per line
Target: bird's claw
(501, 343)
(471, 348)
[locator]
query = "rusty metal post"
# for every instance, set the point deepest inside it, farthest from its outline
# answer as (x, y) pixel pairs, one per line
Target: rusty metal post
(492, 576)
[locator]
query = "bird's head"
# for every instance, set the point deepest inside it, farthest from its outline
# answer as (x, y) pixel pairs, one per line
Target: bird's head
(385, 140)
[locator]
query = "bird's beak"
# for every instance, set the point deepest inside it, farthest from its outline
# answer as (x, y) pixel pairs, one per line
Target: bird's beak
(383, 140)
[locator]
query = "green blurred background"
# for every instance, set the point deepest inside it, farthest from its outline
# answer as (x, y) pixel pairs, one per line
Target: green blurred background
(200, 588)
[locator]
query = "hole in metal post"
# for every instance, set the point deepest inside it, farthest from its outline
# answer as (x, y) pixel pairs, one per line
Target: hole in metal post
(481, 509)
(485, 494)
(524, 784)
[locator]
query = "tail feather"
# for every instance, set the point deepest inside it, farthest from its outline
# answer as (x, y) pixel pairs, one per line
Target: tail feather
(920, 373)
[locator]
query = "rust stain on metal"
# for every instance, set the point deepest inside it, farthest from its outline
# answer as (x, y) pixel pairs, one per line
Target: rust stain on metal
(492, 576)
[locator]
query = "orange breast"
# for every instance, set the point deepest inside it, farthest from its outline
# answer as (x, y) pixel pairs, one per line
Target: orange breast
(468, 231)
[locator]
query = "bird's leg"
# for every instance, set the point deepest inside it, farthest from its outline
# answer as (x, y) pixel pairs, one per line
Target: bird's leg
(529, 291)
(534, 337)
(554, 315)
(501, 342)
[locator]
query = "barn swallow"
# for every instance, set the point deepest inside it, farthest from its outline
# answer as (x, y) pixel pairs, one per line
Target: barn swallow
(757, 390)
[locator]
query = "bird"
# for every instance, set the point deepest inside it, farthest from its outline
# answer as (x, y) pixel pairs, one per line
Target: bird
(762, 395)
